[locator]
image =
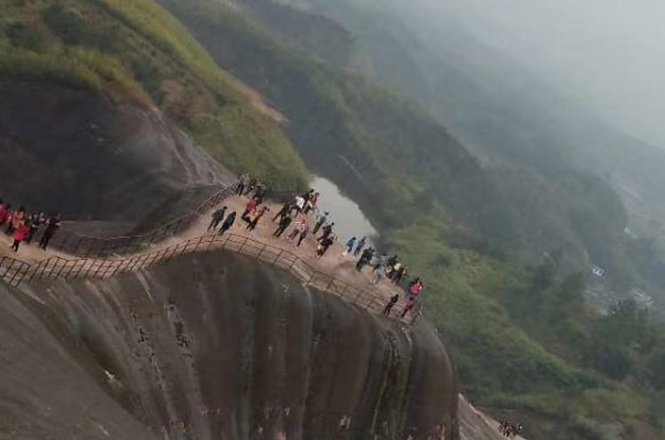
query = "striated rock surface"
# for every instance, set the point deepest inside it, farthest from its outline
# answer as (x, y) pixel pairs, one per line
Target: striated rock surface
(214, 346)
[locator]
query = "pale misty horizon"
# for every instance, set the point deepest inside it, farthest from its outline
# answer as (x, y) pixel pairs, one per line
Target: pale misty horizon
(609, 54)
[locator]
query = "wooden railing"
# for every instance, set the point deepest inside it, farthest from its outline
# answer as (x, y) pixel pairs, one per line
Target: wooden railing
(88, 246)
(14, 272)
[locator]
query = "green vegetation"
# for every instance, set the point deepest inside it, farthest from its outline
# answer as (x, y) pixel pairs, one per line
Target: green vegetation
(135, 51)
(524, 340)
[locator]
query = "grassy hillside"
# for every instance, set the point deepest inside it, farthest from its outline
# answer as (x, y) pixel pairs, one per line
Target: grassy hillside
(523, 337)
(136, 52)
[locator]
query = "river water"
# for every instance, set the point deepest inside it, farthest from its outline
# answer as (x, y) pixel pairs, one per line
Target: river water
(348, 217)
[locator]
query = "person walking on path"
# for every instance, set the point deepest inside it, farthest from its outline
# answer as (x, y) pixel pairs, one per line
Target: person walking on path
(298, 204)
(296, 230)
(365, 259)
(228, 223)
(52, 226)
(360, 246)
(217, 218)
(414, 289)
(36, 224)
(310, 205)
(303, 234)
(325, 244)
(17, 219)
(349, 246)
(327, 231)
(255, 221)
(20, 235)
(259, 192)
(283, 224)
(399, 274)
(320, 221)
(379, 273)
(390, 267)
(409, 305)
(253, 181)
(243, 180)
(286, 208)
(381, 263)
(390, 305)
(250, 207)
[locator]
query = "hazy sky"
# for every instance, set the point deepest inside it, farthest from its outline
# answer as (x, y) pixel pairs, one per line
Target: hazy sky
(611, 53)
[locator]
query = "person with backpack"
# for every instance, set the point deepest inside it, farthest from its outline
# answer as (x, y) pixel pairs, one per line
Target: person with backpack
(217, 218)
(228, 223)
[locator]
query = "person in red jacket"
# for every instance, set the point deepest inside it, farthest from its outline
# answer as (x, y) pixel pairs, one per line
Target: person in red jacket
(3, 213)
(20, 235)
(250, 207)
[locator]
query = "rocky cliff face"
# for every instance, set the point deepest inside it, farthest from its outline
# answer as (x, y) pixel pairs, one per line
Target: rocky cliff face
(81, 153)
(214, 346)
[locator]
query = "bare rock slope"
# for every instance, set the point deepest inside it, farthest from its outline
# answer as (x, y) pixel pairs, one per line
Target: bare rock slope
(81, 153)
(214, 346)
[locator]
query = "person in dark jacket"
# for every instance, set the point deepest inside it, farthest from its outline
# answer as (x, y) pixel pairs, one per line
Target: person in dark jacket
(52, 226)
(390, 305)
(283, 224)
(360, 246)
(257, 218)
(324, 245)
(327, 231)
(228, 223)
(286, 208)
(217, 218)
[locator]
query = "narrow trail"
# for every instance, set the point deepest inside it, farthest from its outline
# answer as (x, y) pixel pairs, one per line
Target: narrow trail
(333, 263)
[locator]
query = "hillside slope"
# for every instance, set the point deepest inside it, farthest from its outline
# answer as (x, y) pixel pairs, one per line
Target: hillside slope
(115, 97)
(214, 346)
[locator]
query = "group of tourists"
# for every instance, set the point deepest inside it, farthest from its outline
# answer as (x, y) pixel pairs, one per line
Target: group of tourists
(23, 227)
(510, 430)
(292, 223)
